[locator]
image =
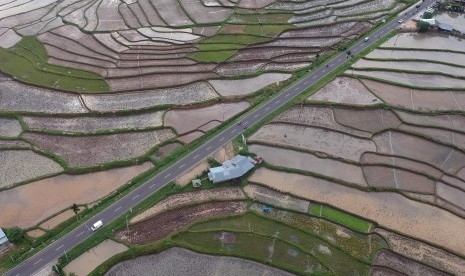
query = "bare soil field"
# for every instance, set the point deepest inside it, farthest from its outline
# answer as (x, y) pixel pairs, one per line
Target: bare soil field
(451, 194)
(56, 220)
(191, 136)
(370, 158)
(314, 139)
(413, 66)
(35, 233)
(372, 120)
(438, 134)
(265, 195)
(316, 116)
(166, 150)
(184, 199)
(23, 165)
(435, 41)
(95, 124)
(389, 209)
(10, 127)
(246, 86)
(162, 225)
(381, 176)
(91, 259)
(403, 265)
(423, 100)
(191, 263)
(29, 204)
(418, 148)
(452, 122)
(308, 162)
(345, 90)
(399, 54)
(20, 97)
(14, 144)
(184, 95)
(186, 120)
(100, 148)
(424, 252)
(426, 81)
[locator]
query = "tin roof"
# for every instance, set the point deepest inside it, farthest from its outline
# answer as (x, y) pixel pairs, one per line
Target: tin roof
(233, 168)
(3, 238)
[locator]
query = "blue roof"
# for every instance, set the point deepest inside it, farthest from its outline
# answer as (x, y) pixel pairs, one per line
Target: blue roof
(446, 27)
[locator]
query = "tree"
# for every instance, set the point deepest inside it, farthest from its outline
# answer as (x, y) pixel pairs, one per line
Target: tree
(15, 234)
(423, 26)
(75, 209)
(427, 15)
(456, 7)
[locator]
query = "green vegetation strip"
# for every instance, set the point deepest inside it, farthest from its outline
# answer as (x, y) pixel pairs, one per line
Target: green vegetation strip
(27, 62)
(295, 247)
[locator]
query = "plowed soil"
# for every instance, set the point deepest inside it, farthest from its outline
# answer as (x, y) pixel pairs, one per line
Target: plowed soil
(161, 226)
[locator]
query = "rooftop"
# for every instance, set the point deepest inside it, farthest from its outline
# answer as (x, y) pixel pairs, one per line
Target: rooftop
(231, 169)
(3, 238)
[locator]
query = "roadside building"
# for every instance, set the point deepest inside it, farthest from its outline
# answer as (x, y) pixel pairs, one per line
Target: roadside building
(231, 169)
(431, 21)
(445, 27)
(3, 238)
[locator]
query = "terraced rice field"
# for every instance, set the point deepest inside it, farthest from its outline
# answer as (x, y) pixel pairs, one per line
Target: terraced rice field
(95, 85)
(404, 100)
(189, 262)
(27, 205)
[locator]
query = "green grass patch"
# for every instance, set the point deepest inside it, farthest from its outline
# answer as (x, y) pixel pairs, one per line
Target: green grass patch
(314, 209)
(267, 30)
(240, 39)
(261, 18)
(290, 245)
(212, 56)
(223, 46)
(27, 61)
(352, 222)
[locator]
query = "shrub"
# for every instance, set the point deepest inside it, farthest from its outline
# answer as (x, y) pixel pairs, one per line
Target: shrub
(423, 26)
(15, 235)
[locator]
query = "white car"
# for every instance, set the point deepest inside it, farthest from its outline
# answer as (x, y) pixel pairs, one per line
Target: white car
(401, 20)
(366, 38)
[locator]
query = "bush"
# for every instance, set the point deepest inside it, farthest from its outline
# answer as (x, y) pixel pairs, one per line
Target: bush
(427, 15)
(15, 235)
(423, 26)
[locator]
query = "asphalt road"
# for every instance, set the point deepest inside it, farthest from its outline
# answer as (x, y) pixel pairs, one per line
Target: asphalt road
(82, 232)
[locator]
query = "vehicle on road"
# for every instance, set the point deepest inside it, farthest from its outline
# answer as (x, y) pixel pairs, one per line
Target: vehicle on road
(366, 38)
(401, 20)
(96, 225)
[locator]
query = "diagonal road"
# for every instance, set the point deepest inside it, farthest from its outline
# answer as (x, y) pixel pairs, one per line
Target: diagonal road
(124, 204)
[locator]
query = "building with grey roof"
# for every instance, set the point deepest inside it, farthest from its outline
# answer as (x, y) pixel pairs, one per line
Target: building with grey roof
(231, 169)
(3, 238)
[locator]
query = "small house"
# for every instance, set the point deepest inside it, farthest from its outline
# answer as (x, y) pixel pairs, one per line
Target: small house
(445, 27)
(3, 238)
(231, 169)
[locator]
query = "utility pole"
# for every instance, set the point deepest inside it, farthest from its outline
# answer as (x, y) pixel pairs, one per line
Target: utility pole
(66, 255)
